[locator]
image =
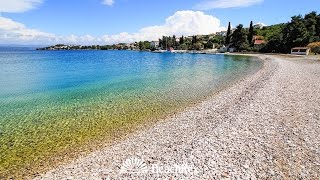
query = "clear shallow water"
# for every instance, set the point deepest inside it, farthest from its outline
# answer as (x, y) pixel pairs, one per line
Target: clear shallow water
(52, 102)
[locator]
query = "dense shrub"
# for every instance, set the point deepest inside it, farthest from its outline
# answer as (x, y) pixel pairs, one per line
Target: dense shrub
(315, 47)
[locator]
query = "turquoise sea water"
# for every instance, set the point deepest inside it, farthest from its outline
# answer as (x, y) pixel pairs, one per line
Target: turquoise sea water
(54, 101)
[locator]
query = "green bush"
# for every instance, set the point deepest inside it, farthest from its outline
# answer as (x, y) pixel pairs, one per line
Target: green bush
(315, 47)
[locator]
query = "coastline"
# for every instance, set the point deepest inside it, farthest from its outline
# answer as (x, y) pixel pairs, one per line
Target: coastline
(241, 132)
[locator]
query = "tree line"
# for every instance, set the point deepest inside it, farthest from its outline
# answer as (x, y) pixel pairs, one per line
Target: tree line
(280, 38)
(195, 42)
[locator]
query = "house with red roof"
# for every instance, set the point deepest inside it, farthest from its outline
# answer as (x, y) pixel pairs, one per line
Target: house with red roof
(258, 42)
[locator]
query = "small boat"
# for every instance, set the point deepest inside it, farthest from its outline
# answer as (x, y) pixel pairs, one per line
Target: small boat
(159, 51)
(171, 50)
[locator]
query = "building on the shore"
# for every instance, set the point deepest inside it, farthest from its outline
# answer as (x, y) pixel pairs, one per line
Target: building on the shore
(132, 46)
(189, 37)
(119, 46)
(222, 33)
(258, 42)
(223, 49)
(154, 44)
(300, 50)
(232, 49)
(211, 47)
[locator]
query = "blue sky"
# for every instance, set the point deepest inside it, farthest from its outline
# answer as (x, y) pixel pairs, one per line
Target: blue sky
(94, 19)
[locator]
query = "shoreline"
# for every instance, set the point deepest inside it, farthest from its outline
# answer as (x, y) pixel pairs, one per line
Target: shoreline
(94, 144)
(220, 137)
(146, 126)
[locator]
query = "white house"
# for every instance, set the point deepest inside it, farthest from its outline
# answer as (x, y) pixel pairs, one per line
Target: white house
(259, 25)
(154, 44)
(222, 33)
(231, 50)
(223, 49)
(300, 50)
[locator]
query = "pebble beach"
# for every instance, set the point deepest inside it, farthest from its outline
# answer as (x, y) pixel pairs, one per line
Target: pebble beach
(266, 126)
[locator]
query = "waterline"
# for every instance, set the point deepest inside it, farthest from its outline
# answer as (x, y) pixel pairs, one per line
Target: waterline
(53, 103)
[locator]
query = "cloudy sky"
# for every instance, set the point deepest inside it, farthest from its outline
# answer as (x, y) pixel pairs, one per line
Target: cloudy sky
(46, 22)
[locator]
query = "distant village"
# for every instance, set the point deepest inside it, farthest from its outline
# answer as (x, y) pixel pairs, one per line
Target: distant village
(212, 42)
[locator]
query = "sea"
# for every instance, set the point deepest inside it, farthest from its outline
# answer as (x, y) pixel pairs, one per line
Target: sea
(58, 102)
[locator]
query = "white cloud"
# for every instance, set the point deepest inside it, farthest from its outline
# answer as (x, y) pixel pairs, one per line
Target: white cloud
(180, 23)
(215, 4)
(14, 32)
(108, 2)
(17, 6)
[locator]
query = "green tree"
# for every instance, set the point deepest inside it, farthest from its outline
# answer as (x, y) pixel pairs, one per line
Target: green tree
(311, 25)
(274, 45)
(181, 40)
(160, 42)
(269, 32)
(141, 45)
(164, 44)
(218, 39)
(239, 38)
(146, 44)
(318, 25)
(183, 46)
(198, 46)
(209, 44)
(251, 34)
(298, 32)
(295, 34)
(194, 40)
(174, 41)
(228, 37)
(169, 42)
